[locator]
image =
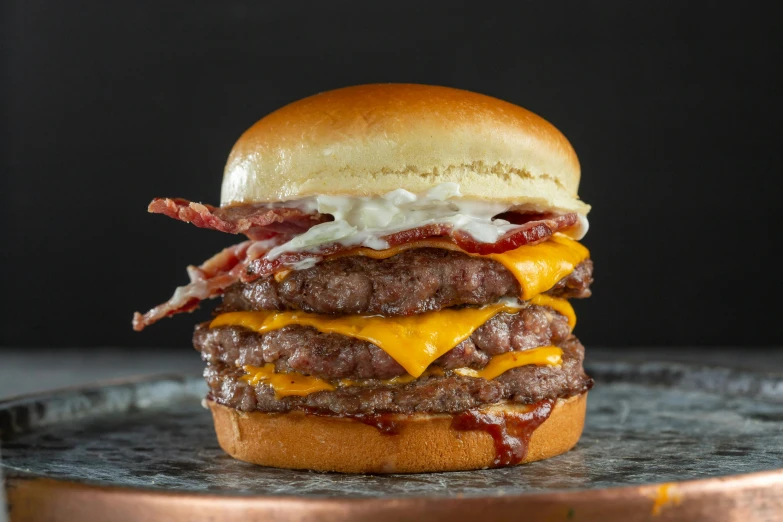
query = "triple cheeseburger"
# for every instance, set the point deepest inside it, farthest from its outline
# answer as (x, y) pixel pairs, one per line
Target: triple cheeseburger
(400, 303)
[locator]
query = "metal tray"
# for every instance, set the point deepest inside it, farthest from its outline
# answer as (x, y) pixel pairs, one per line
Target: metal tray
(663, 441)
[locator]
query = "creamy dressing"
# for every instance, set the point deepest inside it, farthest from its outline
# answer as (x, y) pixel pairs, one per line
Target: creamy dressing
(362, 221)
(513, 302)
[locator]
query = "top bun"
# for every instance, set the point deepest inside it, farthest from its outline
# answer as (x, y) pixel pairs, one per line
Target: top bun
(371, 139)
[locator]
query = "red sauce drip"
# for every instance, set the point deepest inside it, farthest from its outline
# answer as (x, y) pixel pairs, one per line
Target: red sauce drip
(386, 423)
(511, 432)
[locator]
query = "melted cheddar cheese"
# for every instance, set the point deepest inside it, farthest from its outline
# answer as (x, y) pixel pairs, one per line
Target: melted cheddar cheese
(500, 364)
(285, 384)
(539, 267)
(558, 304)
(414, 341)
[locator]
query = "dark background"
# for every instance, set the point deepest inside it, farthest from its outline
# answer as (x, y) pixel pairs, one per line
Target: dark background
(675, 113)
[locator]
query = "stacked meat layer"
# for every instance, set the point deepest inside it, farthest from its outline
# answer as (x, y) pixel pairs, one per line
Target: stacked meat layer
(416, 281)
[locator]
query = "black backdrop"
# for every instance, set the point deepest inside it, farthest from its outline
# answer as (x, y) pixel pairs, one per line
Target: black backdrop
(675, 113)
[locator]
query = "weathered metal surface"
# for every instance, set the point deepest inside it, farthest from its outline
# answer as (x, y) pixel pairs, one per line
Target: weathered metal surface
(648, 424)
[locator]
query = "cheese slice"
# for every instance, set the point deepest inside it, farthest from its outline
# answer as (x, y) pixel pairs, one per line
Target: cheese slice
(558, 304)
(537, 267)
(414, 341)
(285, 384)
(500, 364)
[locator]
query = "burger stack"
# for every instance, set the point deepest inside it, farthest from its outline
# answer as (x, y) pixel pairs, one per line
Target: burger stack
(400, 302)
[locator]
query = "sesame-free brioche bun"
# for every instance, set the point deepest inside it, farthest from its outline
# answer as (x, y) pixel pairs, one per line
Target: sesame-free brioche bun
(371, 139)
(424, 443)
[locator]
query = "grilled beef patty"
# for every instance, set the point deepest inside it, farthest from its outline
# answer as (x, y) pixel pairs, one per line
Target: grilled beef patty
(412, 282)
(305, 350)
(449, 393)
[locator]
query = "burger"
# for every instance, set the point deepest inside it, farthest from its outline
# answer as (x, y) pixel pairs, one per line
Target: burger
(401, 302)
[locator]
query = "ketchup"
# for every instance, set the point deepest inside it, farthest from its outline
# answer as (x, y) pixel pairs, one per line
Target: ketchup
(386, 423)
(511, 432)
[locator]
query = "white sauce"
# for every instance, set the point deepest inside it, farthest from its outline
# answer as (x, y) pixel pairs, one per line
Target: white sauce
(362, 221)
(512, 302)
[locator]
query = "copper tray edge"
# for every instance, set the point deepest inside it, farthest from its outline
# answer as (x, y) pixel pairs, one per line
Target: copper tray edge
(753, 496)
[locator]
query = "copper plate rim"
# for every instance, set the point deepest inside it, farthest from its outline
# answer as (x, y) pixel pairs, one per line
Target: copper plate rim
(752, 496)
(741, 497)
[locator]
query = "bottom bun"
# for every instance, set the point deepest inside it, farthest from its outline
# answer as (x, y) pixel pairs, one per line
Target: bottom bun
(422, 442)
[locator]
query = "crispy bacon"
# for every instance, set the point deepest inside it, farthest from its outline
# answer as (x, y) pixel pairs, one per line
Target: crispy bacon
(247, 262)
(206, 281)
(257, 221)
(533, 231)
(535, 228)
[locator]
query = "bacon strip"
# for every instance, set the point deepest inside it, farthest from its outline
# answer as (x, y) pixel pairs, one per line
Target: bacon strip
(533, 231)
(206, 281)
(534, 228)
(257, 221)
(246, 261)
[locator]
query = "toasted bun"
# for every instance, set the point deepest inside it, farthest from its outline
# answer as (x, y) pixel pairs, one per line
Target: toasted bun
(425, 442)
(371, 139)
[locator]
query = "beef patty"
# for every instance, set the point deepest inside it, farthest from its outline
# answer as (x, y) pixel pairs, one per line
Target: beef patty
(412, 282)
(448, 393)
(305, 350)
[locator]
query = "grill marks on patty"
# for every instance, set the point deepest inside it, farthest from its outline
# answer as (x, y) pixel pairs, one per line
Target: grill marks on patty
(412, 282)
(305, 350)
(433, 394)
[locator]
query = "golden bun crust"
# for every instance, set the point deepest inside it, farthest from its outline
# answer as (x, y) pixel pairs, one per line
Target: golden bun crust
(371, 139)
(425, 443)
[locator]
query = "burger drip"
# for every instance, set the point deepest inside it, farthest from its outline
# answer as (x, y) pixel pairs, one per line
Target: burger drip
(386, 423)
(510, 432)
